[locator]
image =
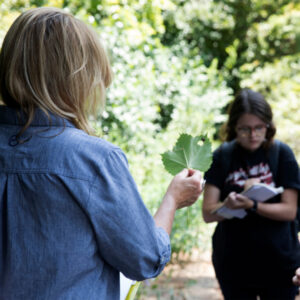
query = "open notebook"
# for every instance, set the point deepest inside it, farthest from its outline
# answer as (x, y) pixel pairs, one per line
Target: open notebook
(260, 192)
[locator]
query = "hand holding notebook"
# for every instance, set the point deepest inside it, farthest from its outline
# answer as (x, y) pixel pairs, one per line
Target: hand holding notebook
(260, 192)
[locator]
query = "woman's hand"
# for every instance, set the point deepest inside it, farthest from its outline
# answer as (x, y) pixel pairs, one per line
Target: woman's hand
(238, 201)
(296, 278)
(251, 181)
(184, 190)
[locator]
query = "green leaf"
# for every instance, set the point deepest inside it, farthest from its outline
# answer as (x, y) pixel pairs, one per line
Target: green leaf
(188, 153)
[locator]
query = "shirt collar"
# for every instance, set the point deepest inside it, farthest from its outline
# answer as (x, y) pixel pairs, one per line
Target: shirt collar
(11, 116)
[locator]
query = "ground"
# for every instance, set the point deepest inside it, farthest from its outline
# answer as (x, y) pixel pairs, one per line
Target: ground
(191, 279)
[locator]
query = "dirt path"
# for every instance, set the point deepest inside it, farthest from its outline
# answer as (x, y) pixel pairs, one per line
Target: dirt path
(192, 279)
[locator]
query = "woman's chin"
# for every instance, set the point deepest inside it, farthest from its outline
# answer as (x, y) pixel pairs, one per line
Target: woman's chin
(252, 145)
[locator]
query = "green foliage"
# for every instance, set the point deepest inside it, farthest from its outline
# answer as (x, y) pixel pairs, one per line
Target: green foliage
(282, 90)
(187, 153)
(235, 32)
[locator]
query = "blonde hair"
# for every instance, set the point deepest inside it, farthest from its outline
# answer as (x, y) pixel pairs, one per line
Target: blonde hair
(53, 61)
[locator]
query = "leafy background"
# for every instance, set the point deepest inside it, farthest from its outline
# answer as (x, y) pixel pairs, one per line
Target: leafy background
(177, 65)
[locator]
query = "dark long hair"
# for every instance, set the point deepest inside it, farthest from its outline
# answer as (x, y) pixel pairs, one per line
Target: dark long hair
(249, 102)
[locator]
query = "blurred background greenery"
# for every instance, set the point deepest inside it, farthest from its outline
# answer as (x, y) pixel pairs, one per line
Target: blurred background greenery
(177, 65)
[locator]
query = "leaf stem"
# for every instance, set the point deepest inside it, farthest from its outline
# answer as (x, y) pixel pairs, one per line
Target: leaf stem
(186, 161)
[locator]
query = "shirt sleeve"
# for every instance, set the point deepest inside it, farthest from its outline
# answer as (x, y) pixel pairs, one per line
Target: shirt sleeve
(288, 169)
(214, 174)
(127, 236)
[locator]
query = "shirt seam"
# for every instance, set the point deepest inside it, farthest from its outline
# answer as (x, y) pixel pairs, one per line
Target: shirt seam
(43, 171)
(41, 125)
(116, 149)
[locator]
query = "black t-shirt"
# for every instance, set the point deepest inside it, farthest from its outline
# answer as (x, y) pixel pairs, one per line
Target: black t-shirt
(255, 251)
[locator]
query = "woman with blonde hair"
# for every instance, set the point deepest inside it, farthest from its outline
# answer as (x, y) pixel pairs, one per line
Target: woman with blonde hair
(71, 215)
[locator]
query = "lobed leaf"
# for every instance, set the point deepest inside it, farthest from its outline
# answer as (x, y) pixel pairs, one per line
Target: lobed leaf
(188, 153)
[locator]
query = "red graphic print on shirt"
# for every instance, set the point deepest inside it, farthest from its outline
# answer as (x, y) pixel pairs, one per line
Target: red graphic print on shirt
(261, 171)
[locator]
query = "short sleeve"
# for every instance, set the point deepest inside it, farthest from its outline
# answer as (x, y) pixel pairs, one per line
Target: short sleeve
(215, 175)
(126, 234)
(288, 169)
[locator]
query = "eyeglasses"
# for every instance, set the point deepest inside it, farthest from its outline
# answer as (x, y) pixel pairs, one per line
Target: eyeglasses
(258, 130)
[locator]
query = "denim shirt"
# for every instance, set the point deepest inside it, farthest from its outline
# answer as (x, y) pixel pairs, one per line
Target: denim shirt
(71, 217)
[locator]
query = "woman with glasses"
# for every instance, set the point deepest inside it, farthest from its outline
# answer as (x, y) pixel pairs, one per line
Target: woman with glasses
(256, 255)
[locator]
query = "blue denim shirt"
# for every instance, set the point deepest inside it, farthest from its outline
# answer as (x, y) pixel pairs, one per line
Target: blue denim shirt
(71, 217)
